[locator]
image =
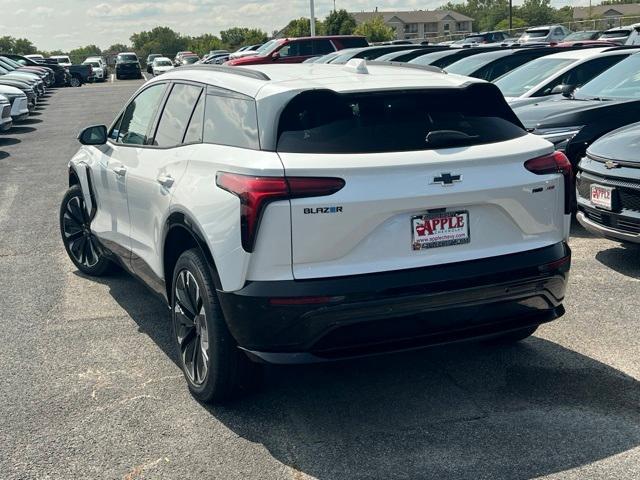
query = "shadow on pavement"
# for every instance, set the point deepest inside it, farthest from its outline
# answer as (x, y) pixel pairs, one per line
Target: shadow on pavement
(624, 259)
(21, 130)
(462, 411)
(579, 231)
(8, 141)
(3, 155)
(31, 121)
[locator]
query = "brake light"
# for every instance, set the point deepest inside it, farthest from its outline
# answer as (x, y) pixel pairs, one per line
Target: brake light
(255, 193)
(556, 162)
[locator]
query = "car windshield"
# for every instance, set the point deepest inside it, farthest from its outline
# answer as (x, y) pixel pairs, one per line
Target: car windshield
(11, 62)
(536, 33)
(469, 65)
(267, 48)
(190, 60)
(524, 78)
(616, 34)
(622, 81)
(127, 58)
(93, 64)
(572, 37)
(163, 63)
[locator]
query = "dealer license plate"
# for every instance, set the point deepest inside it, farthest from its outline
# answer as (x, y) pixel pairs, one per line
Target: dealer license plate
(443, 229)
(601, 196)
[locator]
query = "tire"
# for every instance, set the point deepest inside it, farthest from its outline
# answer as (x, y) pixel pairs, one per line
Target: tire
(117, 76)
(81, 245)
(75, 82)
(215, 369)
(513, 336)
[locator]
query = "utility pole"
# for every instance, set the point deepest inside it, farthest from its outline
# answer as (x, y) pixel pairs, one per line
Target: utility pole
(313, 20)
(510, 16)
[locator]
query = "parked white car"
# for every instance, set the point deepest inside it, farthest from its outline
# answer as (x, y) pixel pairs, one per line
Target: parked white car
(19, 102)
(161, 65)
(317, 212)
(5, 114)
(102, 63)
(35, 57)
(546, 34)
(98, 71)
(558, 73)
(628, 35)
(62, 60)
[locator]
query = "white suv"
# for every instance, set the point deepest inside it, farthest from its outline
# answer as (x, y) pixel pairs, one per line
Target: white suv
(308, 212)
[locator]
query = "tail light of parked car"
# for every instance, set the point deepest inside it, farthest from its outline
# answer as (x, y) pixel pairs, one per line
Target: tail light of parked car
(255, 193)
(556, 162)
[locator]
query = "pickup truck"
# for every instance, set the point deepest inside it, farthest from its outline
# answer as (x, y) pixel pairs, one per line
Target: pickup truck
(78, 74)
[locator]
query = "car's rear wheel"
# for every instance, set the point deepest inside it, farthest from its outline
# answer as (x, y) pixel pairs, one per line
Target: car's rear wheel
(75, 82)
(214, 367)
(81, 245)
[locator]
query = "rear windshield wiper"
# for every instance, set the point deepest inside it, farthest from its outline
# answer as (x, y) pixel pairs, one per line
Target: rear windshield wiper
(447, 137)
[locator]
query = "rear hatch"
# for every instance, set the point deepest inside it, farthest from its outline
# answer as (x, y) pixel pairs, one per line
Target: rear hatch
(430, 178)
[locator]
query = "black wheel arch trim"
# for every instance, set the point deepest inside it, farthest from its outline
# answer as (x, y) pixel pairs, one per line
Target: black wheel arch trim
(74, 179)
(179, 219)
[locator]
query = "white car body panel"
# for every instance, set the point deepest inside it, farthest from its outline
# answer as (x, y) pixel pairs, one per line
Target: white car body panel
(383, 191)
(381, 194)
(20, 106)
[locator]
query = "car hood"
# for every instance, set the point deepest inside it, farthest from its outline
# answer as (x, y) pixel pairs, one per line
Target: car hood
(533, 114)
(248, 60)
(28, 79)
(622, 144)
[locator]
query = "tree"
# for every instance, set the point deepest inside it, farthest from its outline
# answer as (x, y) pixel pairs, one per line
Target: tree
(486, 14)
(204, 44)
(162, 40)
(537, 12)
(339, 23)
(24, 46)
(236, 37)
(301, 27)
(375, 30)
(117, 48)
(504, 24)
(78, 55)
(7, 43)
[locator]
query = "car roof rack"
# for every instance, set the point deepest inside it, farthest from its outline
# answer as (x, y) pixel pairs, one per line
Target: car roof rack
(425, 68)
(245, 72)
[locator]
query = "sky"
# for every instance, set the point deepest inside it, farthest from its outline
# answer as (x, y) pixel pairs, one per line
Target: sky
(67, 24)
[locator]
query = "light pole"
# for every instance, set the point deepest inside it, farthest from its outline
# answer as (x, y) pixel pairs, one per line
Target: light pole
(313, 20)
(510, 16)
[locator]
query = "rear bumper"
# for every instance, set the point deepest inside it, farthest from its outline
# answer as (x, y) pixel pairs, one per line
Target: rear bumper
(329, 319)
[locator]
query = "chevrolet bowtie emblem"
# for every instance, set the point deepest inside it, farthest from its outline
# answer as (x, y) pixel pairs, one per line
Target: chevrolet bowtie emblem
(610, 164)
(447, 179)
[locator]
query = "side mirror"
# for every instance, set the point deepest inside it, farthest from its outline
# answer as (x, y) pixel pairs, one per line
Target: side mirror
(565, 90)
(94, 135)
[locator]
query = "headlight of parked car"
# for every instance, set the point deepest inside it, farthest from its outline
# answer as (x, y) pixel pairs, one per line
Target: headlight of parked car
(560, 136)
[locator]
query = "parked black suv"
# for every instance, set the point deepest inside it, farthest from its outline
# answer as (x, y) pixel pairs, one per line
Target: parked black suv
(128, 66)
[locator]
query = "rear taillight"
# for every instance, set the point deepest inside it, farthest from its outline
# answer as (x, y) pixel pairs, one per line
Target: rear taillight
(255, 193)
(556, 162)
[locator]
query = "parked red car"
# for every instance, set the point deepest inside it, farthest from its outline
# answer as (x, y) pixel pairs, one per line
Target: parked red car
(297, 50)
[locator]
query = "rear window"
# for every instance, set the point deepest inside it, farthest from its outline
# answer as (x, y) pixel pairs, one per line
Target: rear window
(127, 58)
(615, 34)
(537, 33)
(326, 122)
(352, 42)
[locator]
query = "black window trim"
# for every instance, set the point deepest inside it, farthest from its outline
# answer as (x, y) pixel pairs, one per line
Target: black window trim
(154, 118)
(156, 121)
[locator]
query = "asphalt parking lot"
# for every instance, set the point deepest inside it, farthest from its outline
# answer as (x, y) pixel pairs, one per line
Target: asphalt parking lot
(90, 388)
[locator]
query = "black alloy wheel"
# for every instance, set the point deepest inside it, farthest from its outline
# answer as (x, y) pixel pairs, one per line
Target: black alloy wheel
(191, 328)
(80, 243)
(214, 367)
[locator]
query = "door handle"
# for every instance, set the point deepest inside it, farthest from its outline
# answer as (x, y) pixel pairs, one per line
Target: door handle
(165, 180)
(119, 170)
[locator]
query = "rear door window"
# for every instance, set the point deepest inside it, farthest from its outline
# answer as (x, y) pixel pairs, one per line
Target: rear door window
(326, 122)
(581, 74)
(230, 119)
(176, 115)
(352, 42)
